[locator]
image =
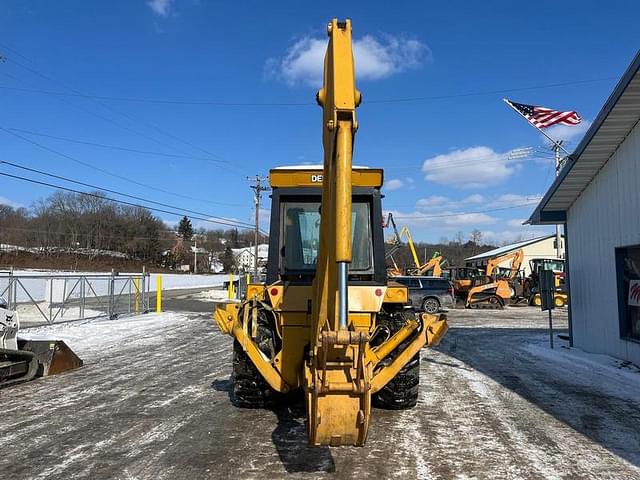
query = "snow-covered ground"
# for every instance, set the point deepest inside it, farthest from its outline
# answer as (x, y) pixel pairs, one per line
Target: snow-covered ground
(38, 288)
(91, 338)
(152, 401)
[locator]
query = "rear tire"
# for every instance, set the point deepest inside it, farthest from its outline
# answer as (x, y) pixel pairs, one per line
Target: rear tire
(402, 391)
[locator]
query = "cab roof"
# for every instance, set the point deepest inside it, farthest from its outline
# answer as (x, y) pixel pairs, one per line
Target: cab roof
(311, 176)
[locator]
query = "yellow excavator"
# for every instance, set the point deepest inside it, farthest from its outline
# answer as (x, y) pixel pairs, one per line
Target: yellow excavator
(327, 320)
(497, 290)
(433, 267)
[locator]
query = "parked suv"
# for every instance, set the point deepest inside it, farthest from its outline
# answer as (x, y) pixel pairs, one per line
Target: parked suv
(429, 293)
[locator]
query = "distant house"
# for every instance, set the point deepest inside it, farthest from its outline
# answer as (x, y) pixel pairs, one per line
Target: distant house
(244, 256)
(597, 198)
(540, 247)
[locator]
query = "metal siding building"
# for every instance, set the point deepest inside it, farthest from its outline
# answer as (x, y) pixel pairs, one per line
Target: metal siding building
(597, 196)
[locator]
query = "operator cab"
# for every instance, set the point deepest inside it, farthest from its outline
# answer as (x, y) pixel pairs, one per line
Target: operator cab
(294, 236)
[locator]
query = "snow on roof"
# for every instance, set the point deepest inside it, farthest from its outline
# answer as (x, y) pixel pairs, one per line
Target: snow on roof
(508, 248)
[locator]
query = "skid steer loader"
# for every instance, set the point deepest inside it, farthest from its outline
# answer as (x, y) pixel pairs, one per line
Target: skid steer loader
(327, 320)
(23, 360)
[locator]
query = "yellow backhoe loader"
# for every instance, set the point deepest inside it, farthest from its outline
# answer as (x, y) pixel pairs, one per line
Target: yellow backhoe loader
(327, 320)
(496, 290)
(433, 267)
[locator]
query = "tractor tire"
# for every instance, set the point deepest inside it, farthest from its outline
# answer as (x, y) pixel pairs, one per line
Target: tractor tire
(402, 391)
(250, 389)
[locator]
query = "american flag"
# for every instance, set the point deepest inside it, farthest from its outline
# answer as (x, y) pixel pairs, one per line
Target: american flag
(542, 117)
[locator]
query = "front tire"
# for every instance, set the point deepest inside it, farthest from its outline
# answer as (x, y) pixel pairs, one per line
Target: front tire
(250, 389)
(402, 391)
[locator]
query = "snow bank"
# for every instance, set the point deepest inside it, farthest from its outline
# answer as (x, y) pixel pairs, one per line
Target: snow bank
(619, 378)
(89, 337)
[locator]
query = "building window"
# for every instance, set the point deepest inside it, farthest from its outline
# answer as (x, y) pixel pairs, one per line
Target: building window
(628, 269)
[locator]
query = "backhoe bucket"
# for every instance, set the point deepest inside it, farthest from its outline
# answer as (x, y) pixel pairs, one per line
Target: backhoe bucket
(53, 356)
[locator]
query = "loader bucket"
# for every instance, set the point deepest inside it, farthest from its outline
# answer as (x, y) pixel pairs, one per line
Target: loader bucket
(53, 356)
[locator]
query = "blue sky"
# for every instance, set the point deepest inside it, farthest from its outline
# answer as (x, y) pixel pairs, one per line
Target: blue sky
(446, 156)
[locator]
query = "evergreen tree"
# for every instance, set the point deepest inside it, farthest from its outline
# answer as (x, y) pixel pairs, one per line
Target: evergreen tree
(227, 260)
(185, 229)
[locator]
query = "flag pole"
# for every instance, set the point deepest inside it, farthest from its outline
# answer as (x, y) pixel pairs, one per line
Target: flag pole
(556, 143)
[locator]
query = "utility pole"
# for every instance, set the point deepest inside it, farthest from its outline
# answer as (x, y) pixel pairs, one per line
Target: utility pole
(195, 254)
(258, 188)
(556, 149)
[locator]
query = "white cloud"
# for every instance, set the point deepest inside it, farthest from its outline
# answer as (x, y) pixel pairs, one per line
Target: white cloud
(443, 220)
(11, 203)
(476, 201)
(393, 184)
(475, 198)
(512, 199)
(467, 219)
(375, 58)
(430, 202)
(567, 132)
(516, 222)
(474, 167)
(162, 8)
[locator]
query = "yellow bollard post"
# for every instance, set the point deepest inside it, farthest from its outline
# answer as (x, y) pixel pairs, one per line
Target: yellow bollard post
(159, 294)
(231, 290)
(136, 294)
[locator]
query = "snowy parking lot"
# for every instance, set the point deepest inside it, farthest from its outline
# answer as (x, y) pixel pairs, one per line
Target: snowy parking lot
(152, 401)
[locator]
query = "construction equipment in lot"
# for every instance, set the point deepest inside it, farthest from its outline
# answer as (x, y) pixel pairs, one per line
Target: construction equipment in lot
(327, 319)
(462, 279)
(433, 267)
(496, 290)
(531, 285)
(23, 360)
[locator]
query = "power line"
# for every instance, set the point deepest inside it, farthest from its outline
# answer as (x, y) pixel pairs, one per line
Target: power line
(89, 185)
(75, 92)
(102, 197)
(113, 147)
(160, 101)
(107, 172)
(493, 92)
(422, 217)
(114, 122)
(298, 104)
